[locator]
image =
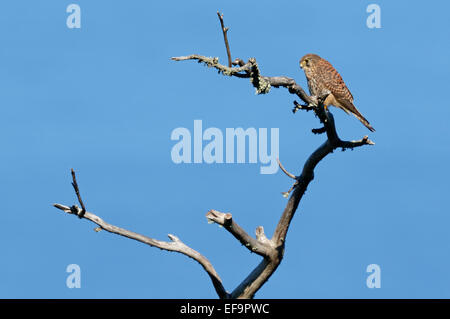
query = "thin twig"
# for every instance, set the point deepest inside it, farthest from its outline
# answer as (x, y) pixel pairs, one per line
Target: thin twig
(285, 171)
(77, 191)
(225, 38)
(286, 194)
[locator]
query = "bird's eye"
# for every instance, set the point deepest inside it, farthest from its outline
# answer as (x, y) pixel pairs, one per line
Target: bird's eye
(307, 62)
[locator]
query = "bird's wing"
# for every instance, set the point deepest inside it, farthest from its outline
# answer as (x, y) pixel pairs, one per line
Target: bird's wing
(333, 81)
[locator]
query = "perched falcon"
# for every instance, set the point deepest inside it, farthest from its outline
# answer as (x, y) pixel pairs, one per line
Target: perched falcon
(322, 77)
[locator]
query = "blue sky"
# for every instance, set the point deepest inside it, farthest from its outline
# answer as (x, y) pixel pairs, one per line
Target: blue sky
(105, 98)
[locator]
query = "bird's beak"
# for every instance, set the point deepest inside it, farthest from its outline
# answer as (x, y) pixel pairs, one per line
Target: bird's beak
(302, 64)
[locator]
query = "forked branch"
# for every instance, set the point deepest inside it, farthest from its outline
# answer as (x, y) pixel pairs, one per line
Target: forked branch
(272, 250)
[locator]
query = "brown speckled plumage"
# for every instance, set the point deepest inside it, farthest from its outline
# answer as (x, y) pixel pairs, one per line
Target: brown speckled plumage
(323, 77)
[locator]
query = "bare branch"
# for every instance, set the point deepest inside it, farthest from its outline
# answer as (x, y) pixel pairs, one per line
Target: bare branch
(299, 190)
(225, 37)
(251, 70)
(293, 88)
(261, 247)
(175, 244)
(214, 62)
(255, 280)
(77, 191)
(352, 144)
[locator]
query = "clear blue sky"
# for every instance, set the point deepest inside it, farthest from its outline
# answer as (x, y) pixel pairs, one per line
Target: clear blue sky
(105, 98)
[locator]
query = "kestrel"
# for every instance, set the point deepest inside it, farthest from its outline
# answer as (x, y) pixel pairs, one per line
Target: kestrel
(322, 78)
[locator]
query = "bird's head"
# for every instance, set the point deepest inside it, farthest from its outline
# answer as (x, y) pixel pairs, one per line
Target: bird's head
(308, 61)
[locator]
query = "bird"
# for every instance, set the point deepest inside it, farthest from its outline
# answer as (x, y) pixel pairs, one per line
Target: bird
(323, 78)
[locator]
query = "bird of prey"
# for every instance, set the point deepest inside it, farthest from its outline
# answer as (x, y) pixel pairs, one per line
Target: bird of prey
(322, 78)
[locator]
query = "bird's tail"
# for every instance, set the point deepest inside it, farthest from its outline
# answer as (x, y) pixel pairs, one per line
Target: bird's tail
(350, 107)
(363, 120)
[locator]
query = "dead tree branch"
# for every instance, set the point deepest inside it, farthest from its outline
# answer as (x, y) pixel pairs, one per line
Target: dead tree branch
(174, 245)
(272, 250)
